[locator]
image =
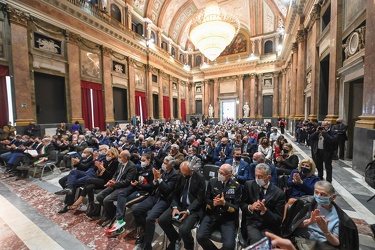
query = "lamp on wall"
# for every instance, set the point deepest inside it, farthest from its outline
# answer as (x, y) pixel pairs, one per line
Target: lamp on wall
(212, 30)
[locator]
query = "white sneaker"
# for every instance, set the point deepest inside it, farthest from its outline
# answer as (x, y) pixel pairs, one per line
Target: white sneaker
(116, 226)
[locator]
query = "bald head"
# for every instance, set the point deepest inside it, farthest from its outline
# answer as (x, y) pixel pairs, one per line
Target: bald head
(259, 157)
(185, 168)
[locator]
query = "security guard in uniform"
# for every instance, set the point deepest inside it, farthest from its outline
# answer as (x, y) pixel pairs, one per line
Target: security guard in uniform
(223, 197)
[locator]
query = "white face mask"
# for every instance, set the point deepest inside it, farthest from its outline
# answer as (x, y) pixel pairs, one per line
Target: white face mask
(143, 164)
(84, 155)
(221, 177)
(120, 160)
(260, 182)
(108, 158)
(164, 167)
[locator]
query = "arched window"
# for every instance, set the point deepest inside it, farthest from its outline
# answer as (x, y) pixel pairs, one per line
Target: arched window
(181, 57)
(115, 12)
(268, 47)
(154, 37)
(173, 52)
(198, 61)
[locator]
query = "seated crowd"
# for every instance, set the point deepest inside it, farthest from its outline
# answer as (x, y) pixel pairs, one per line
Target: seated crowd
(158, 170)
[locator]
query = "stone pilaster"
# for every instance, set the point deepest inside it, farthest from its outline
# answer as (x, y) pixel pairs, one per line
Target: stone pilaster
(171, 96)
(187, 98)
(178, 98)
(240, 96)
(301, 74)
(252, 101)
(107, 82)
(293, 87)
(216, 98)
(206, 98)
(24, 108)
(275, 104)
(260, 97)
(160, 96)
(150, 105)
(131, 87)
(283, 94)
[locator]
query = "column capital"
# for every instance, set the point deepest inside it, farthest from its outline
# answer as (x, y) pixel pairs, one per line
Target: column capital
(240, 77)
(17, 16)
(295, 47)
(253, 75)
(106, 51)
(301, 35)
(72, 37)
(132, 61)
(315, 12)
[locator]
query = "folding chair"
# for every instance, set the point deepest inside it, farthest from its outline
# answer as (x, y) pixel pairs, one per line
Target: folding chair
(210, 171)
(50, 163)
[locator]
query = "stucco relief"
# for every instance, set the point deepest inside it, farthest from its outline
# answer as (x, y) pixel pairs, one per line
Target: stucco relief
(268, 19)
(156, 8)
(165, 88)
(228, 87)
(170, 12)
(240, 9)
(139, 5)
(188, 12)
(280, 5)
(139, 79)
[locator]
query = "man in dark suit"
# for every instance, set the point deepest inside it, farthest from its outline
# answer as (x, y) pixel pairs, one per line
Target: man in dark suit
(186, 207)
(164, 183)
(239, 166)
(158, 155)
(262, 205)
(249, 146)
(324, 140)
(223, 197)
(222, 152)
(125, 173)
(340, 128)
(207, 152)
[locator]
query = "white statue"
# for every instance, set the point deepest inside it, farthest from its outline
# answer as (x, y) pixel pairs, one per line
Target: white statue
(246, 110)
(210, 111)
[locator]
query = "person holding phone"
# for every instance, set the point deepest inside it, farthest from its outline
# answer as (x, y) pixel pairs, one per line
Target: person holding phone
(223, 197)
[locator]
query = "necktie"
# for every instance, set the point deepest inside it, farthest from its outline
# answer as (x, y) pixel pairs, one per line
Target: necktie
(185, 193)
(261, 193)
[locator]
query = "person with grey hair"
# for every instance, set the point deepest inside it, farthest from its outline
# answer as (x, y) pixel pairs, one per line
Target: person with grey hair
(177, 155)
(318, 221)
(262, 205)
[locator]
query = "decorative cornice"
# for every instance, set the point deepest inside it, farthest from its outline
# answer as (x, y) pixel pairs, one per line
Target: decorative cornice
(17, 16)
(72, 37)
(106, 51)
(301, 35)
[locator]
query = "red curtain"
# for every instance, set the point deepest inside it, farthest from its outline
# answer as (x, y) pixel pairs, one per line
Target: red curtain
(142, 97)
(167, 108)
(4, 113)
(183, 110)
(95, 111)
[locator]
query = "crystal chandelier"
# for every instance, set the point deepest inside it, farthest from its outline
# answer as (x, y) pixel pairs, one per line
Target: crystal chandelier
(212, 30)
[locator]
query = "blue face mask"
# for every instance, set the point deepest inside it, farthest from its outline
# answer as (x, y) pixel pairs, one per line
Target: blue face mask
(322, 200)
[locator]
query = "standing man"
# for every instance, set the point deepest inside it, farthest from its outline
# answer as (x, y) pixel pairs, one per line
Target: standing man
(325, 141)
(262, 205)
(223, 197)
(186, 208)
(340, 128)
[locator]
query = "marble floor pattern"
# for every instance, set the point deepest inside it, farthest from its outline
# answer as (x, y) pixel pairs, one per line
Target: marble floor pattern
(29, 218)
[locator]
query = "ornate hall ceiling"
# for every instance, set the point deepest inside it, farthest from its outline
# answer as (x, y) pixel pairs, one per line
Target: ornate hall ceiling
(172, 16)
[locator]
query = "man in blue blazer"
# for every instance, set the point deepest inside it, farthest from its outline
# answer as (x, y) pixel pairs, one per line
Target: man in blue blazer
(222, 152)
(239, 166)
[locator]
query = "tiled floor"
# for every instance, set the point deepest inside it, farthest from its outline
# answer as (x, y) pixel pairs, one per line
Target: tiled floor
(29, 218)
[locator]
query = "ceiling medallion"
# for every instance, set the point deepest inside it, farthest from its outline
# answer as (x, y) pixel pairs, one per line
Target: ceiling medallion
(212, 30)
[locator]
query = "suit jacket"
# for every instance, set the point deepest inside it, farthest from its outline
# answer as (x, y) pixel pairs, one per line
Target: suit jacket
(242, 172)
(330, 140)
(227, 151)
(275, 202)
(158, 159)
(165, 188)
(232, 196)
(126, 176)
(340, 129)
(196, 193)
(208, 157)
(179, 157)
(195, 162)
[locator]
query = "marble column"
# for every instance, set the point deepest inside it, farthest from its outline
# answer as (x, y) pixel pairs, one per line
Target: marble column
(170, 81)
(187, 98)
(150, 104)
(293, 84)
(178, 99)
(24, 107)
(206, 98)
(107, 82)
(240, 96)
(275, 104)
(260, 96)
(283, 94)
(129, 10)
(74, 76)
(335, 59)
(252, 99)
(216, 98)
(314, 36)
(160, 95)
(246, 90)
(131, 88)
(301, 74)
(193, 108)
(367, 119)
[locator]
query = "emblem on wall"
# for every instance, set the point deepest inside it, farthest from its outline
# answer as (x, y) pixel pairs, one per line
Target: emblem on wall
(90, 64)
(47, 44)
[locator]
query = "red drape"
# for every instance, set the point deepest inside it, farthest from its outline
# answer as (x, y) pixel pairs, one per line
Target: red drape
(97, 109)
(142, 96)
(183, 110)
(4, 110)
(167, 108)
